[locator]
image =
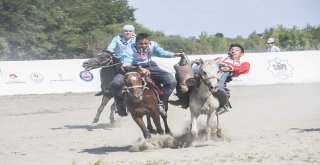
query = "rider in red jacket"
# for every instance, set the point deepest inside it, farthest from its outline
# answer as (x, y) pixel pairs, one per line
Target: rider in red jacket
(230, 67)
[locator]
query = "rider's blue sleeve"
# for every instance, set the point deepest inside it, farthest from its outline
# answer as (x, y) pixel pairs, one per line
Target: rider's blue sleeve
(160, 52)
(113, 45)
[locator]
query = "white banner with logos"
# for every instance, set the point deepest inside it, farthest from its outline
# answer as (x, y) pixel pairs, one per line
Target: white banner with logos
(46, 76)
(62, 76)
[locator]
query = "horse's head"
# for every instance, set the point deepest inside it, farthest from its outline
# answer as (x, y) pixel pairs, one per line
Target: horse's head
(100, 60)
(134, 85)
(208, 72)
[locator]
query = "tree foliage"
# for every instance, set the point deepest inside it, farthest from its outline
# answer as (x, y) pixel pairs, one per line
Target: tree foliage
(60, 29)
(46, 29)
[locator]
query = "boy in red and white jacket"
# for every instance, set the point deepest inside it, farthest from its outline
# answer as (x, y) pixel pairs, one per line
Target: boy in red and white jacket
(230, 67)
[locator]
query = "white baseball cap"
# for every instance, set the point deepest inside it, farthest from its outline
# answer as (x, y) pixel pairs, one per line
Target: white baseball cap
(128, 27)
(270, 41)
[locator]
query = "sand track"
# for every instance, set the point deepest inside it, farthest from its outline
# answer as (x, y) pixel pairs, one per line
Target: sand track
(268, 125)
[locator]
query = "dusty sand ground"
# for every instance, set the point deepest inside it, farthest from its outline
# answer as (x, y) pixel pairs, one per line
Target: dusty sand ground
(267, 125)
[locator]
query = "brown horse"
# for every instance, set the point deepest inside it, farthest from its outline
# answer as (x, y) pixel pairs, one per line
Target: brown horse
(140, 99)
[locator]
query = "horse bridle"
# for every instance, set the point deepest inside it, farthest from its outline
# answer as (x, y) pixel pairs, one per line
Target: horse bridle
(144, 86)
(204, 77)
(107, 63)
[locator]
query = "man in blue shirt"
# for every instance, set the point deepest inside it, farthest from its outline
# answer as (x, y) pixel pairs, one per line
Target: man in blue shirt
(116, 47)
(139, 54)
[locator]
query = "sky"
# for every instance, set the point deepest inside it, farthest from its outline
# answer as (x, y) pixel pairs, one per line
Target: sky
(188, 18)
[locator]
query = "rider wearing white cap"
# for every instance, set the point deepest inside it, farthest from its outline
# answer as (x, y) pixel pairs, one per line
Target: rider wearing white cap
(116, 47)
(120, 42)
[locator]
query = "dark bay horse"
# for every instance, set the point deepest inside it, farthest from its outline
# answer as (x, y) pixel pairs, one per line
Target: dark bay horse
(140, 100)
(109, 65)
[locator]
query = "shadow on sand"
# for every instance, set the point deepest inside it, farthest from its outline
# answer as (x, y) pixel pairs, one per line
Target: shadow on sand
(87, 127)
(306, 129)
(106, 150)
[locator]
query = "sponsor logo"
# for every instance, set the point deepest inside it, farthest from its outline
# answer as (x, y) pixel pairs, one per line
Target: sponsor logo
(280, 68)
(13, 76)
(36, 77)
(14, 79)
(86, 76)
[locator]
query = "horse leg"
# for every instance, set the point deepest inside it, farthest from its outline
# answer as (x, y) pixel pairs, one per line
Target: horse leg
(149, 125)
(166, 127)
(113, 110)
(156, 121)
(140, 123)
(104, 102)
(208, 126)
(194, 127)
(219, 130)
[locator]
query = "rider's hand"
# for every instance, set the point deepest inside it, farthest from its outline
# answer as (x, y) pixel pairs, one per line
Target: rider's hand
(225, 68)
(144, 72)
(179, 54)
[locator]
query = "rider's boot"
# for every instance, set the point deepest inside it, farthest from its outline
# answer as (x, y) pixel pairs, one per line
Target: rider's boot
(120, 109)
(184, 98)
(163, 105)
(223, 100)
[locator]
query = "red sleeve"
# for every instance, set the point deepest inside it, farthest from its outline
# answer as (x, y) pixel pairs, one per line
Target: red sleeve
(243, 68)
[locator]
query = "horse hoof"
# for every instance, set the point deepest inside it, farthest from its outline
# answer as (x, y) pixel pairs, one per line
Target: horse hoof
(94, 124)
(147, 135)
(219, 133)
(112, 121)
(95, 120)
(194, 134)
(169, 133)
(151, 130)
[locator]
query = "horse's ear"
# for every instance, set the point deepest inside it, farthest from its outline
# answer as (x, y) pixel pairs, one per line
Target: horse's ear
(201, 61)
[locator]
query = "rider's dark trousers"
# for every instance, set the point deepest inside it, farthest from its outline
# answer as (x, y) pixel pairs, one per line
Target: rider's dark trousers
(163, 79)
(116, 84)
(104, 79)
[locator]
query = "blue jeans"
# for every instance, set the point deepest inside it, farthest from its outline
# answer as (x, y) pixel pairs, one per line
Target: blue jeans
(222, 81)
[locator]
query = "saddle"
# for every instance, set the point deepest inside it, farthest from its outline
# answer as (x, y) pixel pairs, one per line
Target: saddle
(153, 86)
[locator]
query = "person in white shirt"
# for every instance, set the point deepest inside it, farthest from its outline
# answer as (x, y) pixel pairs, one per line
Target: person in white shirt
(271, 46)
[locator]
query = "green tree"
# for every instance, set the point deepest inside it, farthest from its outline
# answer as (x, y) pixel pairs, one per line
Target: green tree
(312, 35)
(42, 29)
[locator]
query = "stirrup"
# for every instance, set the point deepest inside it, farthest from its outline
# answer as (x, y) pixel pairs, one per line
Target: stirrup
(161, 109)
(222, 109)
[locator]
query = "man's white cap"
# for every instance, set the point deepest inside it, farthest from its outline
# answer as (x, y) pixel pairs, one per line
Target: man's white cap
(128, 27)
(270, 41)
